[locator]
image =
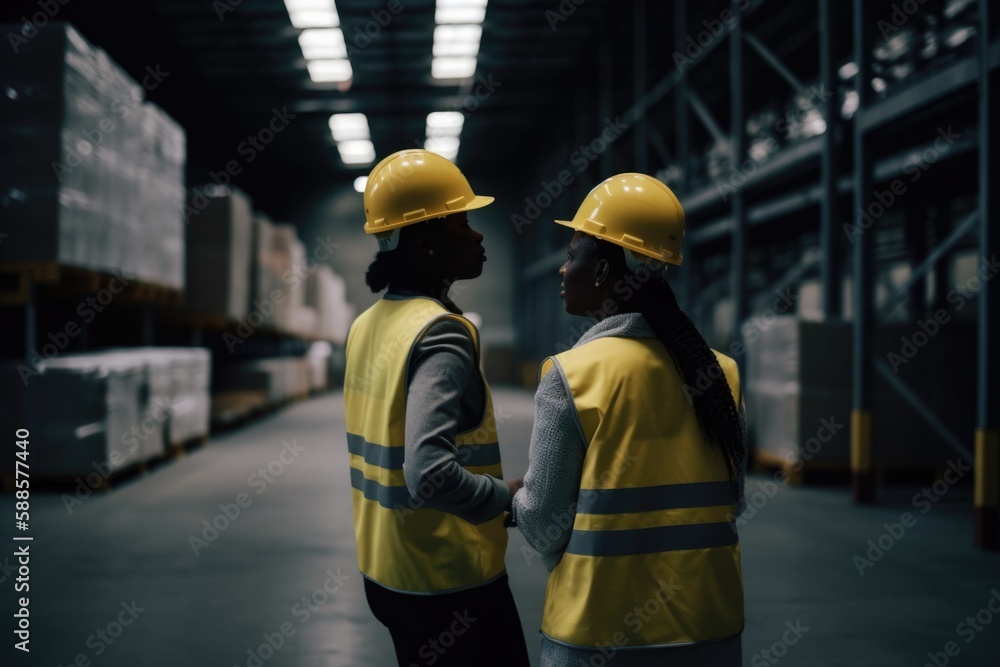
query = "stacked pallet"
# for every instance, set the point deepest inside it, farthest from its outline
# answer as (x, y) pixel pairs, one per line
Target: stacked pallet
(93, 172)
(326, 292)
(798, 392)
(288, 255)
(797, 380)
(111, 410)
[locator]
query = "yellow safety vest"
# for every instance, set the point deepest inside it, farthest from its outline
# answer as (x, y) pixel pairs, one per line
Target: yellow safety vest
(652, 559)
(403, 545)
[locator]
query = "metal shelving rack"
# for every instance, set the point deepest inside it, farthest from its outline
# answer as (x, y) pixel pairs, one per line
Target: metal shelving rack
(845, 160)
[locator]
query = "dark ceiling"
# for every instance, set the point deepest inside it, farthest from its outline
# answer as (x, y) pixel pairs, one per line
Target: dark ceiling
(553, 80)
(229, 63)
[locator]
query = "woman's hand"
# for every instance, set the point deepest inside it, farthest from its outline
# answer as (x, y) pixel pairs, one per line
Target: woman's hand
(513, 485)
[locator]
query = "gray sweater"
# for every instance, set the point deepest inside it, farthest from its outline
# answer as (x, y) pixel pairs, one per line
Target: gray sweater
(544, 508)
(445, 396)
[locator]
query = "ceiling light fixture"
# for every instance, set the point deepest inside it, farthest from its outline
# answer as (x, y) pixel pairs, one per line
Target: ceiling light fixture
(357, 152)
(460, 11)
(457, 40)
(312, 13)
(445, 123)
(453, 68)
(322, 43)
(327, 71)
(349, 126)
(446, 147)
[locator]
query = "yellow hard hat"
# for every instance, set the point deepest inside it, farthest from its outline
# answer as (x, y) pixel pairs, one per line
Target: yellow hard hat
(637, 212)
(414, 185)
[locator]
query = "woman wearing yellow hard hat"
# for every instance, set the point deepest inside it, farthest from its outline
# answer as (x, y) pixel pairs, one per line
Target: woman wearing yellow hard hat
(638, 454)
(428, 491)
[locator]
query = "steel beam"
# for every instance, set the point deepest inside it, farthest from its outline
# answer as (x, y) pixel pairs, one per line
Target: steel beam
(640, 139)
(861, 427)
(688, 270)
(658, 144)
(935, 87)
(987, 463)
(606, 96)
(737, 146)
(681, 116)
(667, 83)
(775, 62)
(830, 167)
(942, 249)
(925, 411)
(705, 116)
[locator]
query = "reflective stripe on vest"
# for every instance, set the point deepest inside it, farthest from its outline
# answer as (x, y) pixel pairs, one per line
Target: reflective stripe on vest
(403, 545)
(653, 558)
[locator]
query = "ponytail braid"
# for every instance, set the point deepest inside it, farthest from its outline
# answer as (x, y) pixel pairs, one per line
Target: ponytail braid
(715, 408)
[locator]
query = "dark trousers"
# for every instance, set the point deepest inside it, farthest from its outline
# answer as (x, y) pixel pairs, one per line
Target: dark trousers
(478, 627)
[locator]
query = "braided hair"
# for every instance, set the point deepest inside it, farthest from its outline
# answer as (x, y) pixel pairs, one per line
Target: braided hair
(714, 406)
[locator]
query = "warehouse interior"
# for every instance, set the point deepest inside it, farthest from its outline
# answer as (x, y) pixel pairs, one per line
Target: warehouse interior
(182, 255)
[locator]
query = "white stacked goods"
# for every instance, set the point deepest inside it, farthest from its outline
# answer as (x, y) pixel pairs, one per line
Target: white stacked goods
(319, 365)
(88, 410)
(797, 381)
(288, 256)
(160, 174)
(190, 394)
(306, 321)
(218, 252)
(152, 429)
(264, 278)
(92, 174)
(111, 409)
(327, 293)
(179, 390)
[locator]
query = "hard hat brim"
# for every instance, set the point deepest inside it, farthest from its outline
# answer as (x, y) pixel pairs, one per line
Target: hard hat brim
(479, 201)
(666, 257)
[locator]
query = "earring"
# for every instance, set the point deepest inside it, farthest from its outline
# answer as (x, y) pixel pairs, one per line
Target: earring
(604, 274)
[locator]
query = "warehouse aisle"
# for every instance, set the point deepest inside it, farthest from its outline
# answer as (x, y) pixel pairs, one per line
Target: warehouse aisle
(286, 562)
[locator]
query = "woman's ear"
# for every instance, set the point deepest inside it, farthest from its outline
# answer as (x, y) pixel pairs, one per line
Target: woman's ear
(601, 272)
(421, 241)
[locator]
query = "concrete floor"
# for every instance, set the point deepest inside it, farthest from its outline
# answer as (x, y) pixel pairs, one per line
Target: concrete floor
(294, 537)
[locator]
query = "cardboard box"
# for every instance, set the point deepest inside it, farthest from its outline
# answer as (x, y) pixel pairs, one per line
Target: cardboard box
(218, 254)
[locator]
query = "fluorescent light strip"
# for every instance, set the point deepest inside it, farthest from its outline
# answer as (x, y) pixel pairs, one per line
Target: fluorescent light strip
(322, 43)
(330, 71)
(312, 13)
(459, 14)
(300, 5)
(349, 126)
(446, 147)
(453, 68)
(457, 40)
(445, 123)
(357, 152)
